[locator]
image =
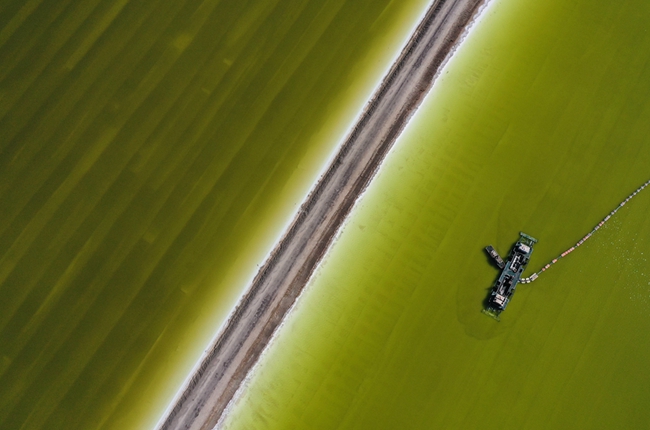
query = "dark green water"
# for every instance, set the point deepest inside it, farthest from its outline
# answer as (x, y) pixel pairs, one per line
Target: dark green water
(540, 123)
(150, 153)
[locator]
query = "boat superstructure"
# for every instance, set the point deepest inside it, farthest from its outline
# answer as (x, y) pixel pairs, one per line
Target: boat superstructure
(511, 272)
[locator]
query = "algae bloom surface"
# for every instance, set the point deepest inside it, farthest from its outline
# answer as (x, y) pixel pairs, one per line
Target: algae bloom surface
(151, 152)
(541, 124)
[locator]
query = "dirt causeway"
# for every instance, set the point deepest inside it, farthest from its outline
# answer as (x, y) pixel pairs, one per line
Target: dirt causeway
(282, 278)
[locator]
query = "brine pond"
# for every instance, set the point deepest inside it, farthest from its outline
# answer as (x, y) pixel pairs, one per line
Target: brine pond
(540, 123)
(151, 153)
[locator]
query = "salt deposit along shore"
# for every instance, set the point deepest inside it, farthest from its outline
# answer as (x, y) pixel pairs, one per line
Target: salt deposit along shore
(283, 276)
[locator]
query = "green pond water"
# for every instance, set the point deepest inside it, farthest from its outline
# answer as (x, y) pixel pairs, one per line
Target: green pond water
(151, 152)
(541, 124)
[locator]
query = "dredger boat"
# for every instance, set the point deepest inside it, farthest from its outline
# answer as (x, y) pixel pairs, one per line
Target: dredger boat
(512, 268)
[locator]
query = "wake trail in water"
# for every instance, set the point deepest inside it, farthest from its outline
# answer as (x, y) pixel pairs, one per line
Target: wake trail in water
(536, 275)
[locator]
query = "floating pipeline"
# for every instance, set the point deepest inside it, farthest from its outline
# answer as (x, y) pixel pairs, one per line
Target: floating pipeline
(534, 276)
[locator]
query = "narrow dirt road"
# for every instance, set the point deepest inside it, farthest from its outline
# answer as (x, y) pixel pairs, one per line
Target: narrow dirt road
(294, 259)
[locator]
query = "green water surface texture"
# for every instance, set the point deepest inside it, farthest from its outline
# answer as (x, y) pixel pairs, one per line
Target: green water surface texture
(540, 123)
(150, 154)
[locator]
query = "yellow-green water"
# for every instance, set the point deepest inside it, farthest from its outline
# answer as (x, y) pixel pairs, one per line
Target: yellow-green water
(541, 124)
(150, 153)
